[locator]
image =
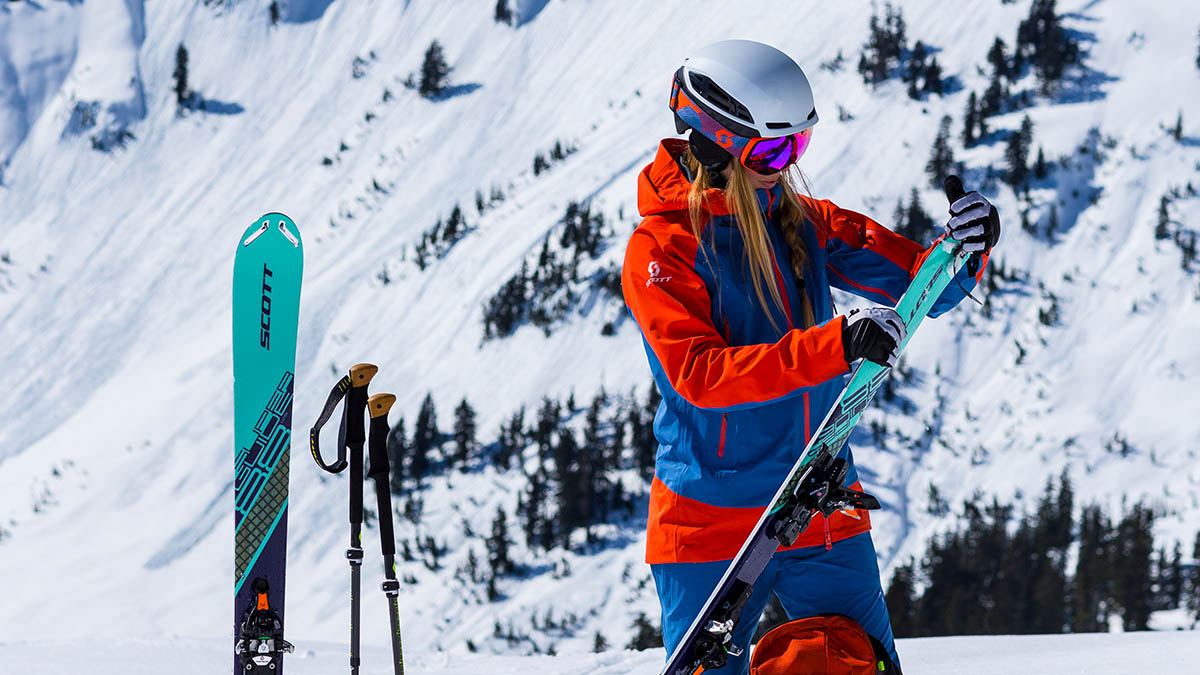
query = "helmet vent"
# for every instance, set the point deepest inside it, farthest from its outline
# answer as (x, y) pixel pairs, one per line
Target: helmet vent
(811, 114)
(705, 87)
(778, 125)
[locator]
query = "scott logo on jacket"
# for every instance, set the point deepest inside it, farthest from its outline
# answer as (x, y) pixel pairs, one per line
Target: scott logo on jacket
(654, 274)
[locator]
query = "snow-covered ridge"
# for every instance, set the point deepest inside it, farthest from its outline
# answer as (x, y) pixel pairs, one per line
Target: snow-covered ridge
(115, 268)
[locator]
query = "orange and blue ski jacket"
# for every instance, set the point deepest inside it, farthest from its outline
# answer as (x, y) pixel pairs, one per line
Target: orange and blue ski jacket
(740, 397)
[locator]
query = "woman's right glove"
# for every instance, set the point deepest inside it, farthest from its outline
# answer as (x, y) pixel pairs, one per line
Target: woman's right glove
(875, 334)
(973, 219)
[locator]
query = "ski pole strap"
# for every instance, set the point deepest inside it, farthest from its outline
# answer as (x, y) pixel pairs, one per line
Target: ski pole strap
(314, 435)
(359, 377)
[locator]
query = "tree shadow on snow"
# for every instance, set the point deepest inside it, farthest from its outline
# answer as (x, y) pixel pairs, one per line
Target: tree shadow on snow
(456, 90)
(529, 10)
(303, 11)
(216, 107)
(1085, 86)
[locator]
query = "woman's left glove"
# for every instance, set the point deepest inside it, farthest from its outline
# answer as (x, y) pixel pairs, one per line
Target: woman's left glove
(974, 222)
(874, 334)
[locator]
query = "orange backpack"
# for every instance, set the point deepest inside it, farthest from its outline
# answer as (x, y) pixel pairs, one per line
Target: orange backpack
(830, 644)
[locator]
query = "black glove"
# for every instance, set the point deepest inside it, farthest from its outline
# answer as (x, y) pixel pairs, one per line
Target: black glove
(874, 334)
(973, 219)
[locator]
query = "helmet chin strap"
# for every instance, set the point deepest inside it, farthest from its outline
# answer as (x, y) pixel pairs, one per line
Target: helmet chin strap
(712, 157)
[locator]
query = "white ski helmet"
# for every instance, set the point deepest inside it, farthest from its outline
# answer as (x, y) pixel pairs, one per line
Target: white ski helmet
(750, 89)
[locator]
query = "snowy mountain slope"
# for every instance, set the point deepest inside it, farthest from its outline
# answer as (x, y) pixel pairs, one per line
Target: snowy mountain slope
(115, 381)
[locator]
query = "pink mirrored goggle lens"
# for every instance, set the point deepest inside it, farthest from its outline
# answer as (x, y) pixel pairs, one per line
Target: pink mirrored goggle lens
(770, 155)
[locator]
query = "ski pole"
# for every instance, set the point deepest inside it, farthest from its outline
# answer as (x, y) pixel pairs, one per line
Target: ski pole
(378, 406)
(351, 437)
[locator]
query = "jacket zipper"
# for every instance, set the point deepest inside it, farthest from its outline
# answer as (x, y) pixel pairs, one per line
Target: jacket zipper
(721, 446)
(807, 427)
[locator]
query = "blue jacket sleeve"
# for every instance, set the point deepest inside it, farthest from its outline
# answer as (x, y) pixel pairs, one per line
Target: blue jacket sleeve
(870, 261)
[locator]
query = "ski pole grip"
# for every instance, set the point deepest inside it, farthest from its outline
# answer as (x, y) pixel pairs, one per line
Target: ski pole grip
(380, 404)
(954, 188)
(361, 374)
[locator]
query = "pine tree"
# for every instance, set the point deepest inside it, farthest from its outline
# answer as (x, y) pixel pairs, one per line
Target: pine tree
(1164, 219)
(941, 159)
(970, 121)
(182, 94)
(569, 473)
(548, 421)
(1039, 165)
(899, 221)
(1168, 575)
(434, 71)
(425, 438)
(529, 508)
(896, 31)
(503, 14)
(464, 432)
(454, 225)
(1131, 569)
(1193, 598)
(470, 568)
(397, 449)
(274, 11)
(599, 643)
(933, 78)
(1055, 514)
(901, 600)
(919, 225)
(512, 439)
(1016, 154)
(916, 68)
(645, 634)
(1048, 45)
(992, 101)
(498, 543)
(885, 45)
(998, 57)
(1052, 535)
(1177, 130)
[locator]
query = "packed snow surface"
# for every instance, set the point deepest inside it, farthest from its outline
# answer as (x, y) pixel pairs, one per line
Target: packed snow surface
(118, 220)
(1113, 654)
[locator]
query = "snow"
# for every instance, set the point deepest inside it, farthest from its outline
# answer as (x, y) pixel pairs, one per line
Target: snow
(115, 268)
(1146, 652)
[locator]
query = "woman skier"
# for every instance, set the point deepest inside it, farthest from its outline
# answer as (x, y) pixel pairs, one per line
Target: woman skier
(728, 277)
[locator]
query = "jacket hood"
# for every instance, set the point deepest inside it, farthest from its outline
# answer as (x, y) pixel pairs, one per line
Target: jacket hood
(663, 187)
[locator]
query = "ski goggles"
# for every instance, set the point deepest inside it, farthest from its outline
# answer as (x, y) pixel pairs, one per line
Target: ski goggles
(760, 155)
(771, 155)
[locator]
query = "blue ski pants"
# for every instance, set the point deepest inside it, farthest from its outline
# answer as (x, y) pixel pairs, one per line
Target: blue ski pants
(809, 581)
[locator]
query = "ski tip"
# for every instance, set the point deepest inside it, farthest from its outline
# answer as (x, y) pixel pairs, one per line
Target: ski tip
(361, 374)
(380, 404)
(272, 221)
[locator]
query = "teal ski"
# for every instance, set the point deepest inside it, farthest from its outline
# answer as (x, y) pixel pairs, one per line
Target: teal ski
(267, 273)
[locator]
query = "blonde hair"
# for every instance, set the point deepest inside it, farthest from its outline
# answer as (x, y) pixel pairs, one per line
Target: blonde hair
(744, 208)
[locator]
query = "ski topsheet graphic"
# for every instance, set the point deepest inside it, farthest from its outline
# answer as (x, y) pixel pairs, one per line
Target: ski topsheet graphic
(814, 483)
(267, 273)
